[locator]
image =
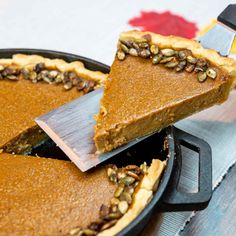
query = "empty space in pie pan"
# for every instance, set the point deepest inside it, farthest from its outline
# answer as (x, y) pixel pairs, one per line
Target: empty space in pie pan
(165, 145)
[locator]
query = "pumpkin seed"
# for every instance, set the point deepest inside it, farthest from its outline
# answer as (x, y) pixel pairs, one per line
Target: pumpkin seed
(121, 175)
(2, 68)
(135, 45)
(126, 43)
(211, 73)
(202, 76)
(191, 59)
(171, 64)
(89, 86)
(182, 55)
(166, 59)
(25, 73)
(115, 201)
(129, 190)
(143, 45)
(145, 53)
(126, 197)
(156, 59)
(128, 180)
(112, 175)
(189, 68)
(39, 67)
(76, 80)
(119, 190)
(76, 232)
(121, 55)
(104, 211)
(32, 75)
(108, 225)
(89, 232)
(168, 52)
(81, 85)
(154, 49)
(124, 48)
(123, 207)
(144, 168)
(12, 77)
(132, 174)
(113, 215)
(180, 66)
(114, 208)
(68, 85)
(133, 52)
(131, 167)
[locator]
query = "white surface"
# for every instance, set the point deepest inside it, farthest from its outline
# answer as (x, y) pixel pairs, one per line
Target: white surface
(90, 28)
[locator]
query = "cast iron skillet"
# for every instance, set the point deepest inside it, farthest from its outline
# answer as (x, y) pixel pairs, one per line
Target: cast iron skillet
(168, 197)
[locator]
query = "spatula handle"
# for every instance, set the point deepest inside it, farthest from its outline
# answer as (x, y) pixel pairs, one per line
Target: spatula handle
(228, 16)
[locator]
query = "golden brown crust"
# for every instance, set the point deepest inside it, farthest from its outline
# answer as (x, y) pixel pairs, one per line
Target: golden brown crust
(225, 63)
(142, 197)
(29, 61)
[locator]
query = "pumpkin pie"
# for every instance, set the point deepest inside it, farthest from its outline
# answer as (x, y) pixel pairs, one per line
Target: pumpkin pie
(155, 81)
(31, 85)
(43, 196)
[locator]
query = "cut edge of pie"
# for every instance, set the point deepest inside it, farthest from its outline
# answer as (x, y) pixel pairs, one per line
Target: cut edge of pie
(110, 137)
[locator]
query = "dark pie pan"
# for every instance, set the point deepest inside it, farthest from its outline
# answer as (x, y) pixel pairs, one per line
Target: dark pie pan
(168, 197)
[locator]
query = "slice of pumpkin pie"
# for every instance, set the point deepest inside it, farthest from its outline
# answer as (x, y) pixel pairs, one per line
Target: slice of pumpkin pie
(42, 196)
(155, 81)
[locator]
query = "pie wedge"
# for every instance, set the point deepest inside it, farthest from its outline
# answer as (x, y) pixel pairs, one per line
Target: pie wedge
(42, 196)
(155, 81)
(30, 86)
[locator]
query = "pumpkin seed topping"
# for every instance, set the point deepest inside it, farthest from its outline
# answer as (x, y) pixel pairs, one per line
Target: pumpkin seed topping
(166, 59)
(168, 52)
(179, 60)
(121, 55)
(211, 73)
(171, 64)
(133, 52)
(191, 59)
(145, 53)
(123, 207)
(154, 49)
(124, 48)
(202, 76)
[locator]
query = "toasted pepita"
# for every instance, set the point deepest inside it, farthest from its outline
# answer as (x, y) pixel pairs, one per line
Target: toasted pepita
(168, 52)
(123, 207)
(133, 52)
(211, 73)
(202, 76)
(154, 49)
(121, 55)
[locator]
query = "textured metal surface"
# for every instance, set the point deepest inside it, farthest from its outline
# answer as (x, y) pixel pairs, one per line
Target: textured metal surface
(220, 38)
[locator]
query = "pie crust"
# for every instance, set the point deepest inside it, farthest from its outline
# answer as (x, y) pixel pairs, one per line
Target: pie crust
(175, 42)
(29, 61)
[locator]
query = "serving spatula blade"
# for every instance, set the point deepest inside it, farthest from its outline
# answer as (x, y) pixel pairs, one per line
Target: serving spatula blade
(221, 36)
(71, 126)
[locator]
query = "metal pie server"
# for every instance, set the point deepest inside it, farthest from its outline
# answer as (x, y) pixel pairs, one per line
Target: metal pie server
(71, 126)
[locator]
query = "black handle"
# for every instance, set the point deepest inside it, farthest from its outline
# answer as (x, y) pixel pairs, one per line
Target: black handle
(174, 200)
(228, 16)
